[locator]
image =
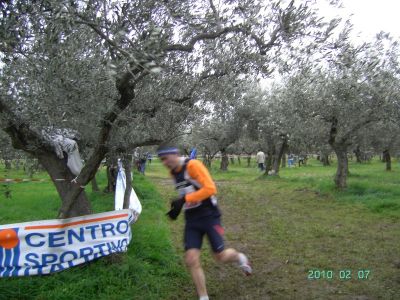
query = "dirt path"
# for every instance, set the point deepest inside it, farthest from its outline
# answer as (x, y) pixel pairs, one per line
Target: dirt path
(287, 233)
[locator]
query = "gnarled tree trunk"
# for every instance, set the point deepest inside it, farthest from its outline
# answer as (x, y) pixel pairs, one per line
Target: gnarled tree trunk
(112, 173)
(358, 154)
(388, 159)
(95, 186)
(325, 159)
(281, 148)
(268, 161)
(127, 167)
(248, 160)
(7, 164)
(207, 160)
(342, 167)
(224, 161)
(17, 164)
(63, 181)
(340, 147)
(283, 164)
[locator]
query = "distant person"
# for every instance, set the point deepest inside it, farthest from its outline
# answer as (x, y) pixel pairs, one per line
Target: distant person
(149, 157)
(142, 163)
(260, 158)
(290, 160)
(193, 153)
(302, 160)
(197, 198)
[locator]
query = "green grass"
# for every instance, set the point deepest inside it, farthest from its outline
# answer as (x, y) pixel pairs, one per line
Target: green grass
(297, 222)
(150, 269)
(288, 225)
(368, 184)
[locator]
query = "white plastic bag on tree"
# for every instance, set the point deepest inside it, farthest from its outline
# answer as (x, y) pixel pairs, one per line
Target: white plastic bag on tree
(62, 140)
(134, 202)
(74, 162)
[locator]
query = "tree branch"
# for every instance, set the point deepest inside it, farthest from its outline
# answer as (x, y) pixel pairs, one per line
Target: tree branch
(263, 47)
(104, 36)
(215, 12)
(126, 90)
(358, 126)
(22, 136)
(202, 36)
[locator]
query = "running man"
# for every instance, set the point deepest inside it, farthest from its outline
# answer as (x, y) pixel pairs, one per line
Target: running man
(197, 197)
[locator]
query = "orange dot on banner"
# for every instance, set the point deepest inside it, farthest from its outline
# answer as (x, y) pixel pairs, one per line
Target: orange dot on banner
(8, 238)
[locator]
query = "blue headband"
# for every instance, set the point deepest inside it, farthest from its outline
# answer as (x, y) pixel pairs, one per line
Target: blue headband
(166, 151)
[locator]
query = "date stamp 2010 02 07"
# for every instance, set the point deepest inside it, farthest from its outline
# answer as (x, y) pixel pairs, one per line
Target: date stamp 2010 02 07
(345, 274)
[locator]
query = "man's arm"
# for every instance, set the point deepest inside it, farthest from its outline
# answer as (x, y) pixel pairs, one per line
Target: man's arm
(199, 172)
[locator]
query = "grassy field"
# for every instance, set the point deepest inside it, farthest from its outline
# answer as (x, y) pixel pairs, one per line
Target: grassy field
(299, 222)
(150, 269)
(288, 225)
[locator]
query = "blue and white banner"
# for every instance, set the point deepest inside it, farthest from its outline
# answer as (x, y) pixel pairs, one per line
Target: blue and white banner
(43, 247)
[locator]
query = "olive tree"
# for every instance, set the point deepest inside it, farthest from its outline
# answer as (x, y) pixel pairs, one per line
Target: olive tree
(352, 90)
(81, 65)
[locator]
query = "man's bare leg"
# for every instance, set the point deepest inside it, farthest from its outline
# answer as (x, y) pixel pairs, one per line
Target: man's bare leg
(231, 255)
(192, 260)
(227, 255)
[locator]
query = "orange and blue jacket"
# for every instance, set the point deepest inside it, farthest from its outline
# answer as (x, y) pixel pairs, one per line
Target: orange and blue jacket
(194, 183)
